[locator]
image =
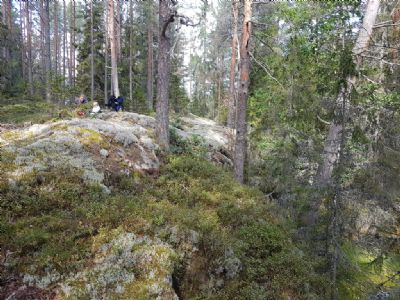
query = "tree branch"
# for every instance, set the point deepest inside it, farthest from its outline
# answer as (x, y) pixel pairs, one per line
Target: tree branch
(381, 59)
(385, 25)
(323, 121)
(265, 69)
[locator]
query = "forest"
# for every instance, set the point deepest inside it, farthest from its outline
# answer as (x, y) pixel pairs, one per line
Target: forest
(200, 149)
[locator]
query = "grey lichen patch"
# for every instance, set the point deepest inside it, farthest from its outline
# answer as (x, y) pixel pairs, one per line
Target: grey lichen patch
(55, 151)
(76, 144)
(126, 267)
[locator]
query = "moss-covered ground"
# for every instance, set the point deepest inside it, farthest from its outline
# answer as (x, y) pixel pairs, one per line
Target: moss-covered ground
(50, 220)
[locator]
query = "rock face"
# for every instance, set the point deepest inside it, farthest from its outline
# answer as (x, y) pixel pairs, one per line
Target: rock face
(216, 136)
(113, 142)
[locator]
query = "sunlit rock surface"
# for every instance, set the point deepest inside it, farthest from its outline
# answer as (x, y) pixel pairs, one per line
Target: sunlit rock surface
(112, 142)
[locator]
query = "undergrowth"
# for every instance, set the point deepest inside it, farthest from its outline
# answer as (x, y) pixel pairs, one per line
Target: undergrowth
(49, 220)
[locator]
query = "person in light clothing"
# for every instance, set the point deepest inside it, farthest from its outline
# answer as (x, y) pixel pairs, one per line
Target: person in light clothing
(96, 108)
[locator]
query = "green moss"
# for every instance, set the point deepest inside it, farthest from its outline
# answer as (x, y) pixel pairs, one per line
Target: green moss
(60, 222)
(11, 135)
(35, 112)
(364, 271)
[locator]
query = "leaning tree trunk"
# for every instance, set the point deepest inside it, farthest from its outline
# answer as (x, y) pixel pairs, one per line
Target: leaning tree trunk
(241, 125)
(232, 74)
(333, 143)
(166, 17)
(113, 45)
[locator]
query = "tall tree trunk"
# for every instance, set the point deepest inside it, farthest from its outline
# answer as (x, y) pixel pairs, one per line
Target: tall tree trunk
(131, 104)
(65, 21)
(150, 60)
(117, 31)
(47, 53)
(91, 53)
(7, 21)
(73, 43)
(113, 45)
(23, 47)
(332, 150)
(166, 16)
(71, 46)
(42, 42)
(232, 74)
(29, 46)
(56, 38)
(106, 46)
(241, 124)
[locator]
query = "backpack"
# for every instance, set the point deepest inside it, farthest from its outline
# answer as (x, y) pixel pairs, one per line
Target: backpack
(111, 102)
(119, 103)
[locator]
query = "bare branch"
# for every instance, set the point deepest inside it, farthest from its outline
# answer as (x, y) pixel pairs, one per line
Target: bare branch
(381, 59)
(265, 69)
(323, 121)
(386, 25)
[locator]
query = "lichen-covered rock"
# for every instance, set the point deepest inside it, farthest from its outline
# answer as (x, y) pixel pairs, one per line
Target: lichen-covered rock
(229, 264)
(127, 267)
(367, 217)
(114, 142)
(82, 145)
(215, 135)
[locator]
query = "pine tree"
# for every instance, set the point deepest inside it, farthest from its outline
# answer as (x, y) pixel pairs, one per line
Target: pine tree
(90, 52)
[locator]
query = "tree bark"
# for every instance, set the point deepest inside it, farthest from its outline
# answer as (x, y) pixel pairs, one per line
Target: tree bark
(113, 45)
(71, 46)
(166, 16)
(241, 124)
(332, 147)
(23, 47)
(29, 46)
(131, 104)
(91, 53)
(42, 42)
(47, 52)
(150, 60)
(150, 63)
(106, 46)
(64, 40)
(56, 38)
(118, 28)
(73, 41)
(232, 74)
(7, 21)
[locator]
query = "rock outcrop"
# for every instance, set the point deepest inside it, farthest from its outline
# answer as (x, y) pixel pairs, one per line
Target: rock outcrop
(113, 142)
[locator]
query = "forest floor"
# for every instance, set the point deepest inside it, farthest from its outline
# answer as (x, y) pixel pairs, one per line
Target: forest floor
(90, 209)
